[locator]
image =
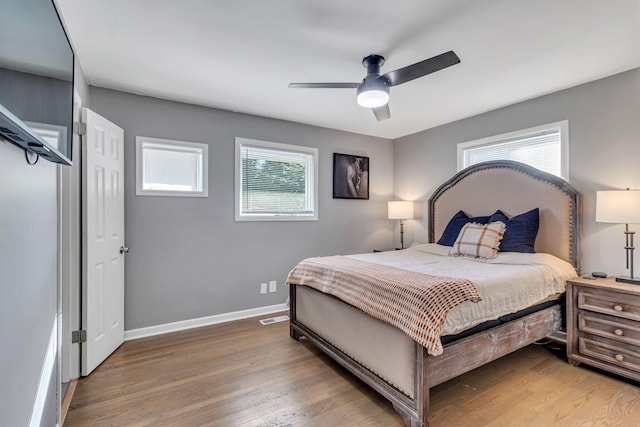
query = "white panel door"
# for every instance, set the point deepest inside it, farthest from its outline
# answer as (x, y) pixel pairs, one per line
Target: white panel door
(104, 248)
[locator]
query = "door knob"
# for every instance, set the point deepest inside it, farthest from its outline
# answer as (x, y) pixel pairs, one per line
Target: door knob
(124, 249)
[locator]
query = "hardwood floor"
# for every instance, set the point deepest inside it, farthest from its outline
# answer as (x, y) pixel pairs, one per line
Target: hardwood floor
(245, 374)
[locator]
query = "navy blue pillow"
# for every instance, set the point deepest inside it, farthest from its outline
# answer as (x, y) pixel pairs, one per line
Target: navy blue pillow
(521, 231)
(451, 231)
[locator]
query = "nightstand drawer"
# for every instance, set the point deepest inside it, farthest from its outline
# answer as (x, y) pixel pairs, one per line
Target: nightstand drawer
(614, 304)
(610, 327)
(612, 352)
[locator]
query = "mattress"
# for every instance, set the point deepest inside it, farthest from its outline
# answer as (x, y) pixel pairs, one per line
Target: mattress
(509, 283)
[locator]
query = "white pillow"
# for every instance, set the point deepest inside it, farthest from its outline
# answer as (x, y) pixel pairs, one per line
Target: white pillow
(479, 240)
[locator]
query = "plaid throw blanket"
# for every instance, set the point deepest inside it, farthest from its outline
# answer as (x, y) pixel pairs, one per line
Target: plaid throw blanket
(413, 302)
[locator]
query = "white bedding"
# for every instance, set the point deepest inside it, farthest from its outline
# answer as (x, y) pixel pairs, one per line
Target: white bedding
(508, 283)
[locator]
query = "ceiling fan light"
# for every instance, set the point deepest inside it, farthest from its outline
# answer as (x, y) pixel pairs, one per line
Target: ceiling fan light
(372, 98)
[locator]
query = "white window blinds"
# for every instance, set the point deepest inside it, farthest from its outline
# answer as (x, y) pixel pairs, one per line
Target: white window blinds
(171, 169)
(543, 148)
(275, 180)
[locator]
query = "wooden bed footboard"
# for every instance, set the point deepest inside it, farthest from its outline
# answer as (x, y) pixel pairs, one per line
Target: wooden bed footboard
(458, 357)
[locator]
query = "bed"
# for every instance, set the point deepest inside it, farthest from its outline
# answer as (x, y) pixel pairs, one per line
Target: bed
(402, 366)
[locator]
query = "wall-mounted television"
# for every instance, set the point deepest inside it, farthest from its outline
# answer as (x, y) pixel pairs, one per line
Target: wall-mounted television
(36, 79)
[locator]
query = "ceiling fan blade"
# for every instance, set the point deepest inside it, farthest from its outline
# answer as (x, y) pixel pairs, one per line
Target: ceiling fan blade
(382, 113)
(420, 69)
(325, 85)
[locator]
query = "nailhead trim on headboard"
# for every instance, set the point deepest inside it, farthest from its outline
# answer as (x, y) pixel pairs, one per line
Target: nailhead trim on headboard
(575, 199)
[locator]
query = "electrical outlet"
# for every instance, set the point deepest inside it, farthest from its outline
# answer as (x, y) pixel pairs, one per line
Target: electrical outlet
(263, 288)
(272, 286)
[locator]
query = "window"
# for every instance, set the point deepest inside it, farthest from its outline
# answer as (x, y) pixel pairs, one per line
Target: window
(53, 134)
(543, 147)
(275, 182)
(170, 168)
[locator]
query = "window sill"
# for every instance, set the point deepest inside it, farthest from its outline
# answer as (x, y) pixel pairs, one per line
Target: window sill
(254, 218)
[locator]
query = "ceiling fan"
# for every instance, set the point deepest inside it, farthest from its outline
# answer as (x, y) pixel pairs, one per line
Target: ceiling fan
(373, 91)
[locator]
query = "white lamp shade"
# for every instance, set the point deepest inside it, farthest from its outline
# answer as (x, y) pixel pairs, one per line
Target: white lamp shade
(621, 207)
(400, 210)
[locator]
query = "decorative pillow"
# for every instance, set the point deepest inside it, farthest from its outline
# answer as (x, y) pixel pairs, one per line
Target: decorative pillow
(521, 232)
(454, 226)
(479, 240)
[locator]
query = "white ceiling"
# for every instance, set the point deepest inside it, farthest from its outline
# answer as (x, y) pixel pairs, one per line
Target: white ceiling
(239, 55)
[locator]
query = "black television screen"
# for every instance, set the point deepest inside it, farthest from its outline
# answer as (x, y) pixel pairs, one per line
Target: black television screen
(36, 79)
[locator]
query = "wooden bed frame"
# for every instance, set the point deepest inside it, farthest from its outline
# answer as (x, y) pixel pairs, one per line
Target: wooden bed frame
(479, 190)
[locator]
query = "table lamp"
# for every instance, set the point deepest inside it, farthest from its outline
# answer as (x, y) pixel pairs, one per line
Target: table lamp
(400, 210)
(621, 207)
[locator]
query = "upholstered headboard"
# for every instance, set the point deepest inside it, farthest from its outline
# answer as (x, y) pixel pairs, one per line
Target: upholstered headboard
(514, 188)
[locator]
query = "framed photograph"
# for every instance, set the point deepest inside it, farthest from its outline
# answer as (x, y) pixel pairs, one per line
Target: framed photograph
(350, 177)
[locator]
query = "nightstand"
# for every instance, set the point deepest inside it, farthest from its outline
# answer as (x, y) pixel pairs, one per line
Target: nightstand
(603, 325)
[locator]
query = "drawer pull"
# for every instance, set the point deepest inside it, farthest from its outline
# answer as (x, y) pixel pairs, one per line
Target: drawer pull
(617, 307)
(619, 332)
(619, 358)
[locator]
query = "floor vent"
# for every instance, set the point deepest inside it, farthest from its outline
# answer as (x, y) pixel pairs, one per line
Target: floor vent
(276, 319)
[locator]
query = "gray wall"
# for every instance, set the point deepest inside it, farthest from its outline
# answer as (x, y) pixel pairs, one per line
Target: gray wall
(604, 153)
(189, 258)
(25, 95)
(28, 280)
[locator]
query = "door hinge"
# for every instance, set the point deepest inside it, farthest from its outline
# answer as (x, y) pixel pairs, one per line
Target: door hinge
(78, 337)
(79, 128)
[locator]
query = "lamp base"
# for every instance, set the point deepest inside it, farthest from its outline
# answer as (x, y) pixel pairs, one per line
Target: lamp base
(627, 279)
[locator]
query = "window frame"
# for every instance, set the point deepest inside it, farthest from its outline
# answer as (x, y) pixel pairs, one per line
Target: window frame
(61, 131)
(561, 126)
(177, 146)
(313, 186)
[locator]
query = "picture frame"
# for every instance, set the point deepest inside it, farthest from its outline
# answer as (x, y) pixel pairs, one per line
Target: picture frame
(350, 176)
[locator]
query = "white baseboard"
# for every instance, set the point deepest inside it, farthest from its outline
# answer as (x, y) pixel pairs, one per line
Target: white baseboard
(45, 377)
(202, 321)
